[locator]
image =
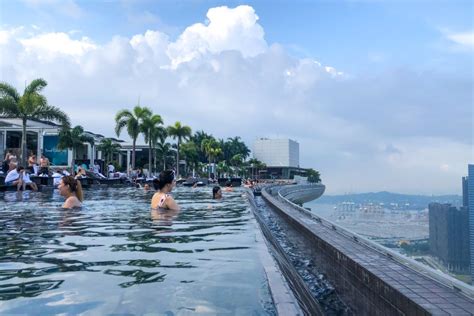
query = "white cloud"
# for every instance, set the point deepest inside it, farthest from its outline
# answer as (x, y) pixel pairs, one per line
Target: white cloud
(51, 45)
(226, 29)
(465, 39)
(390, 130)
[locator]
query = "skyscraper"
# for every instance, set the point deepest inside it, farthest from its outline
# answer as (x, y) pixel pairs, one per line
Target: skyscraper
(449, 236)
(470, 189)
(465, 193)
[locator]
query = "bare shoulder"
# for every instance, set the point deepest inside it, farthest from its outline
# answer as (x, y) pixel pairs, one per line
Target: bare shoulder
(171, 203)
(72, 202)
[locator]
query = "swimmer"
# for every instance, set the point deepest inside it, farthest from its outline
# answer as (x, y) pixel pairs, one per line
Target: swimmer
(228, 187)
(216, 193)
(164, 184)
(71, 189)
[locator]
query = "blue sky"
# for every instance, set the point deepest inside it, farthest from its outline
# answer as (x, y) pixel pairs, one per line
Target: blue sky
(353, 35)
(379, 88)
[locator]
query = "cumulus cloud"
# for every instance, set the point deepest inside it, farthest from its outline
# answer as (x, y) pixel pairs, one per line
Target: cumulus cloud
(227, 29)
(53, 45)
(465, 39)
(390, 130)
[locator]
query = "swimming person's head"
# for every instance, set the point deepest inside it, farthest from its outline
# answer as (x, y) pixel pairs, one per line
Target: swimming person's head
(165, 181)
(69, 185)
(216, 192)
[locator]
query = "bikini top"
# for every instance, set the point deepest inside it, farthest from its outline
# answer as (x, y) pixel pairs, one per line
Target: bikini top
(163, 199)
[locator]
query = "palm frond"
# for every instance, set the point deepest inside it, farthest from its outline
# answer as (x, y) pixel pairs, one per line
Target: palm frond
(35, 86)
(8, 107)
(51, 113)
(9, 91)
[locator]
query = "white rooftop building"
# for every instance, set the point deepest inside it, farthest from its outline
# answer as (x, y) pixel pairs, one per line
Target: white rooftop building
(277, 152)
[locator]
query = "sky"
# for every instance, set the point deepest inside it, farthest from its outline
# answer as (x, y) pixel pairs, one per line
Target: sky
(379, 94)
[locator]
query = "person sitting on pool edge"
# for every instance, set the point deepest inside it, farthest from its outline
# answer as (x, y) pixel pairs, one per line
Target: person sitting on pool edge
(164, 184)
(216, 193)
(71, 189)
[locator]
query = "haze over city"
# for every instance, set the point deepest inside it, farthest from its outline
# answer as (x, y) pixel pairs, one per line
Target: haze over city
(378, 94)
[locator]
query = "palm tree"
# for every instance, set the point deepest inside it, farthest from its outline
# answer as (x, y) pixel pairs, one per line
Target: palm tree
(73, 139)
(159, 133)
(197, 138)
(254, 162)
(313, 175)
(212, 149)
(236, 161)
(238, 147)
(32, 105)
(149, 127)
(180, 133)
(188, 151)
(109, 148)
(131, 120)
(163, 149)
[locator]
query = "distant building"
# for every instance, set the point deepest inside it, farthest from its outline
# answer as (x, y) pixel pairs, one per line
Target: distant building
(281, 156)
(277, 152)
(465, 193)
(449, 236)
(470, 189)
(43, 138)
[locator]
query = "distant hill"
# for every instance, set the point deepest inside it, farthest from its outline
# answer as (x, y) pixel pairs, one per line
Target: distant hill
(420, 201)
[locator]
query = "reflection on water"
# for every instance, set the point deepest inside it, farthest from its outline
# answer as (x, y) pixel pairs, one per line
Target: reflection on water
(117, 256)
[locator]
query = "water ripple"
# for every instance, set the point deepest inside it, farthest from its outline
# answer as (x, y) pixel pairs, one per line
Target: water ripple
(116, 255)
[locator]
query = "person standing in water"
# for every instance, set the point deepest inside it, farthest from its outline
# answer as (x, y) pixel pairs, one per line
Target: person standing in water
(71, 189)
(216, 193)
(163, 199)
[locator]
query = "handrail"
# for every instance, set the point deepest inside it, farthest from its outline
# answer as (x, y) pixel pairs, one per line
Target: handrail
(442, 278)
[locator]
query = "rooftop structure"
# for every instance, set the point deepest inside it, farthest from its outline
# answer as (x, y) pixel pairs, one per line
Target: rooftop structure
(277, 152)
(42, 138)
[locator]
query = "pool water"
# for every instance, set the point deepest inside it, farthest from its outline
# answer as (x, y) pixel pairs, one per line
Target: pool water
(115, 256)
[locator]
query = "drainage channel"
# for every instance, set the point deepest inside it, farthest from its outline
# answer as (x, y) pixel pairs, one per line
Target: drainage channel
(291, 251)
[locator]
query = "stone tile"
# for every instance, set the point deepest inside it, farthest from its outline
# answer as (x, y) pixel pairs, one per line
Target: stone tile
(457, 312)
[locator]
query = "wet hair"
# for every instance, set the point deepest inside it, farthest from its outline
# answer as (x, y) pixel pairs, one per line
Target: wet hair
(74, 185)
(166, 176)
(215, 190)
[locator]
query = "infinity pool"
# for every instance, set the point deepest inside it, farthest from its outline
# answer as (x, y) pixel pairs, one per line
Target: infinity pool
(115, 256)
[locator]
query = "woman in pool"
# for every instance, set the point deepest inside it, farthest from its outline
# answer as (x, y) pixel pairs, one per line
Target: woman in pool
(216, 193)
(162, 199)
(71, 189)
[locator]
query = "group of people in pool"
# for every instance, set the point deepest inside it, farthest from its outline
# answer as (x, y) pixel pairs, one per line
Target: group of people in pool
(70, 188)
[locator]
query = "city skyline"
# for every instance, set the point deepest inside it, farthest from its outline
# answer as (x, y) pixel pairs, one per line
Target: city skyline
(378, 95)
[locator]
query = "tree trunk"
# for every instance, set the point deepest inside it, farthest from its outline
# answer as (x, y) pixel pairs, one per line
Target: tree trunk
(149, 158)
(177, 161)
(209, 167)
(164, 162)
(23, 145)
(154, 160)
(133, 154)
